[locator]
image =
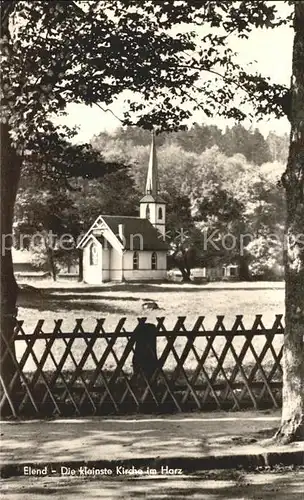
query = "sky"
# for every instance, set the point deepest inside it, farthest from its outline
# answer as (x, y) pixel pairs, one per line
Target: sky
(272, 51)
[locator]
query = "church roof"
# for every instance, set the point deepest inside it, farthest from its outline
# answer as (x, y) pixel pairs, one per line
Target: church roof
(139, 234)
(152, 185)
(149, 198)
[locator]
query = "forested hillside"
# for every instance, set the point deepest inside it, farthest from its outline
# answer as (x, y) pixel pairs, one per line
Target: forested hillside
(235, 140)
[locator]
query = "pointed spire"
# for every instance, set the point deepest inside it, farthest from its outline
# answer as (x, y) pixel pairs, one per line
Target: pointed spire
(152, 176)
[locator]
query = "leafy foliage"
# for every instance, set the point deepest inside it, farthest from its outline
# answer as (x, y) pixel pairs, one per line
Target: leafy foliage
(59, 52)
(50, 154)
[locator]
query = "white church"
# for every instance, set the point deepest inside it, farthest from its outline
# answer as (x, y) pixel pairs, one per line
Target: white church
(119, 248)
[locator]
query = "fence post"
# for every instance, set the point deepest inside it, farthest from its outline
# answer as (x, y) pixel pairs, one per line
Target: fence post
(145, 357)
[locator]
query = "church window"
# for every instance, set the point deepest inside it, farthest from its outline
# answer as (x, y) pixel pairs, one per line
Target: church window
(154, 260)
(148, 212)
(160, 213)
(93, 255)
(135, 260)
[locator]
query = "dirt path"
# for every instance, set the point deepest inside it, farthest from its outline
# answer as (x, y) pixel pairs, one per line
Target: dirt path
(215, 485)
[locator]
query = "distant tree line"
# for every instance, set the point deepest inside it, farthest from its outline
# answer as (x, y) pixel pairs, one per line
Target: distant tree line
(233, 140)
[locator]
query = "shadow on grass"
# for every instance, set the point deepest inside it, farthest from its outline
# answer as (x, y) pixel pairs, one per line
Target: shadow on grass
(156, 288)
(72, 296)
(220, 485)
(70, 305)
(78, 441)
(254, 437)
(226, 488)
(42, 299)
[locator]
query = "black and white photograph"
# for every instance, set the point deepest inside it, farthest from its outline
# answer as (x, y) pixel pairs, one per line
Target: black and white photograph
(152, 249)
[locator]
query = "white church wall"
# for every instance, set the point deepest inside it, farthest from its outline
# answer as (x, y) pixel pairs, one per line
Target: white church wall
(162, 261)
(144, 271)
(92, 274)
(115, 265)
(106, 264)
(146, 275)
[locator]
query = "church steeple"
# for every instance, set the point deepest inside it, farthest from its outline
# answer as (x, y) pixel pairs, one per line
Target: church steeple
(152, 176)
(152, 206)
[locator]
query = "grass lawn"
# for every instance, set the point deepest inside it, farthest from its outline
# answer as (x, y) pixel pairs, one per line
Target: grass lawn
(73, 300)
(69, 301)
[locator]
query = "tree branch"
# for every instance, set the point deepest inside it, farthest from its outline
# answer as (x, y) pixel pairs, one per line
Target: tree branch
(108, 110)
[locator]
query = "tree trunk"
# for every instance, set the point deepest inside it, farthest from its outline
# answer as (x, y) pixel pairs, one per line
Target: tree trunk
(181, 261)
(244, 273)
(51, 261)
(10, 173)
(185, 274)
(292, 424)
(50, 254)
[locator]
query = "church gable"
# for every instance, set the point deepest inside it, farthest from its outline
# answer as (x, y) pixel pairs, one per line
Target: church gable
(125, 233)
(100, 230)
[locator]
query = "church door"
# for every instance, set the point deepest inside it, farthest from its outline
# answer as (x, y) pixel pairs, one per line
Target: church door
(93, 267)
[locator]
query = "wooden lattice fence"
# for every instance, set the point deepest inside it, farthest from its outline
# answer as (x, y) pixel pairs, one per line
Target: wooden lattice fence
(91, 373)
